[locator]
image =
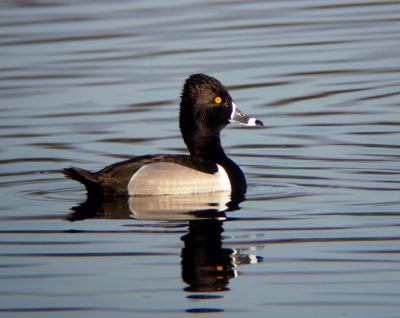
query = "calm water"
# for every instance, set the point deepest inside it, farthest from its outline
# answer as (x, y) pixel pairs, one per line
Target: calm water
(89, 83)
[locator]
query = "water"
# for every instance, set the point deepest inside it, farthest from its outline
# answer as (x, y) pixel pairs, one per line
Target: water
(89, 83)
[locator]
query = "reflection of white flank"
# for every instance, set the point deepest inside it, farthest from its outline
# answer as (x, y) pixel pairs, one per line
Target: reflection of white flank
(177, 207)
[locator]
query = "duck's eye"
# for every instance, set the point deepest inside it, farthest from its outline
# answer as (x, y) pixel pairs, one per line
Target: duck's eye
(217, 100)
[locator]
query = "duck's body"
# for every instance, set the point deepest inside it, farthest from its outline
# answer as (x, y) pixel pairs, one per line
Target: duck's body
(162, 174)
(206, 108)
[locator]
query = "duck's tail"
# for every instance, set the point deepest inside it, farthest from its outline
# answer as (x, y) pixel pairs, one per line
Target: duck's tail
(89, 179)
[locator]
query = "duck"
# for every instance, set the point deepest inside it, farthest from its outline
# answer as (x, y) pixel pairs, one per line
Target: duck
(206, 107)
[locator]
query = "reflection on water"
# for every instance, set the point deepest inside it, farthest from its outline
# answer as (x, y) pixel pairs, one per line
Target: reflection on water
(171, 207)
(87, 83)
(206, 265)
(158, 207)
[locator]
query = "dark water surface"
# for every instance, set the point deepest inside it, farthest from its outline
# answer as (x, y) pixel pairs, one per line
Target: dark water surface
(89, 83)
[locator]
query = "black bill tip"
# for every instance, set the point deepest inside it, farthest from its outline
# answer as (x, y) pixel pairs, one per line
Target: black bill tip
(259, 123)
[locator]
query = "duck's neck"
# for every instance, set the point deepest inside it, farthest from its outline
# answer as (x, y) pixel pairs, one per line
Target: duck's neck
(209, 148)
(206, 147)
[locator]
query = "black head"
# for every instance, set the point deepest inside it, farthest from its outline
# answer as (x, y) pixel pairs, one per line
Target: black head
(206, 108)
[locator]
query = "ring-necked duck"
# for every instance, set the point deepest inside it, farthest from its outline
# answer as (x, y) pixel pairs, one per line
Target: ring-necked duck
(205, 109)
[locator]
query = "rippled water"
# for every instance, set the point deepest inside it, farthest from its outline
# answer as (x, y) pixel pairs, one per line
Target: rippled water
(89, 83)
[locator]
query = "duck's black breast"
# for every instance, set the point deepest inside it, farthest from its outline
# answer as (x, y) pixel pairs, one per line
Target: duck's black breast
(236, 176)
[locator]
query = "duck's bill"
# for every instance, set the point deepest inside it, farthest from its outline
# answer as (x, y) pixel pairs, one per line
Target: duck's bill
(238, 117)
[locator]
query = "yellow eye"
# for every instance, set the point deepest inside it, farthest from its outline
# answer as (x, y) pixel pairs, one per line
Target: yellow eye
(218, 100)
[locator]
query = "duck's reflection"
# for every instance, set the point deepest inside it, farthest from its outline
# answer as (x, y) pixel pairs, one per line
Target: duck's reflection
(157, 208)
(206, 265)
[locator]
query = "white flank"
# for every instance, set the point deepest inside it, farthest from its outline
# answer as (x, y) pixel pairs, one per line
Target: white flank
(167, 178)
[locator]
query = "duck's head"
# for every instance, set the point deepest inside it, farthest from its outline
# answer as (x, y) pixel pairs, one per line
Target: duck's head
(206, 108)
